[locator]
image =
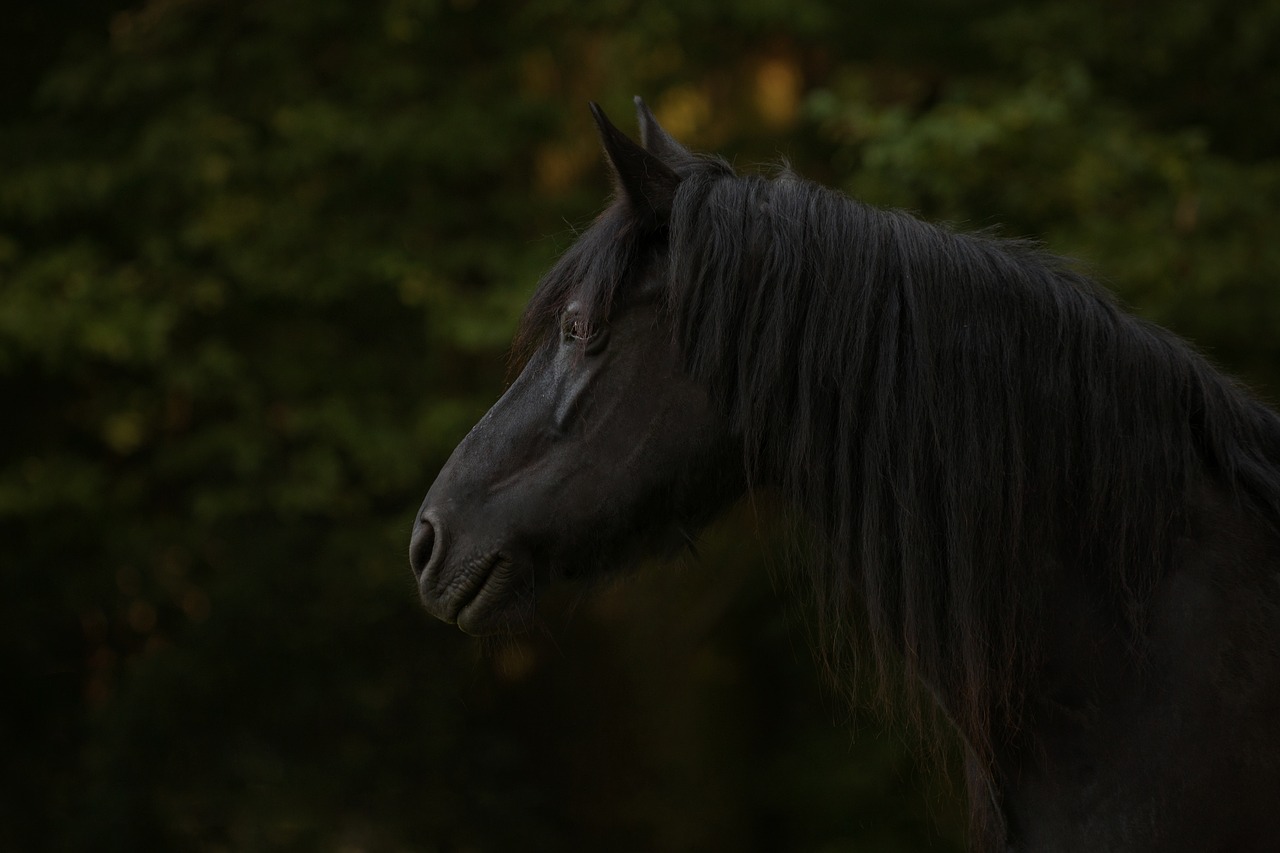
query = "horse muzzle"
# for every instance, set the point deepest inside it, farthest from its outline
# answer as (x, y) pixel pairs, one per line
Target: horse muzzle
(458, 584)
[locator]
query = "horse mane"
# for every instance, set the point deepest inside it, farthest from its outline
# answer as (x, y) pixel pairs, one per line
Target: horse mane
(958, 415)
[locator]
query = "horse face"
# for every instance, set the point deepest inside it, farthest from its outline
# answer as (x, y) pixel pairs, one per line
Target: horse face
(601, 452)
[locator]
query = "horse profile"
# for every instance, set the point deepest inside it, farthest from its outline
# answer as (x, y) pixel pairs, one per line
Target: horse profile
(1059, 519)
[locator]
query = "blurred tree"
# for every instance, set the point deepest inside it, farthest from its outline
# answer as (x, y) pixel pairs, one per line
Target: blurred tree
(259, 263)
(1129, 141)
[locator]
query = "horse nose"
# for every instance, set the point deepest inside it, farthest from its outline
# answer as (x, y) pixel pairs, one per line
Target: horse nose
(422, 545)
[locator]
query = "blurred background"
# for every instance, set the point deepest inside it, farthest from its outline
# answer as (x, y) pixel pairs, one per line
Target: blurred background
(259, 266)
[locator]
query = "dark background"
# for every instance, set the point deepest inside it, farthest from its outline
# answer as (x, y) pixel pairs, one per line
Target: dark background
(259, 265)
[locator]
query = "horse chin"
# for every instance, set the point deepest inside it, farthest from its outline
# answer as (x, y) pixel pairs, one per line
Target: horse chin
(487, 619)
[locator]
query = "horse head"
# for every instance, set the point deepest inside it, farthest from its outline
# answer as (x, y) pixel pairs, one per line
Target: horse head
(603, 450)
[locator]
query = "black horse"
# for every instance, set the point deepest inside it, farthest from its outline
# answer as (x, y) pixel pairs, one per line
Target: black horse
(1062, 520)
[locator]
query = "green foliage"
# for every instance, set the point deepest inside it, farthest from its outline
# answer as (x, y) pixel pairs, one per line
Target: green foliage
(259, 264)
(1175, 219)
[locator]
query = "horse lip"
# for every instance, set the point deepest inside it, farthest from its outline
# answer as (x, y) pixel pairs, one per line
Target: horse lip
(447, 602)
(444, 598)
(472, 593)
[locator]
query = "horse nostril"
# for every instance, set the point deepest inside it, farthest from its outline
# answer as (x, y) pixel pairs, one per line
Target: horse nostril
(421, 546)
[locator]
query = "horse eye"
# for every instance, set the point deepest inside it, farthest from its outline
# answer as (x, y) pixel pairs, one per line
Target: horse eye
(592, 338)
(574, 329)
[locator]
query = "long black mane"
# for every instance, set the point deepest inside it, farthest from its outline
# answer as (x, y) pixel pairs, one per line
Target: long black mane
(958, 415)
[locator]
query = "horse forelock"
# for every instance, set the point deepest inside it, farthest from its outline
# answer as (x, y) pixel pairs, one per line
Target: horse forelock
(590, 273)
(607, 255)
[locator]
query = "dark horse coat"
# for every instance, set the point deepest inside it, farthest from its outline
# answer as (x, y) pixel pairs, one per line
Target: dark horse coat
(1062, 519)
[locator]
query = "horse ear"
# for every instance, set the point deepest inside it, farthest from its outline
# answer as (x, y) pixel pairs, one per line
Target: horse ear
(640, 177)
(656, 140)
